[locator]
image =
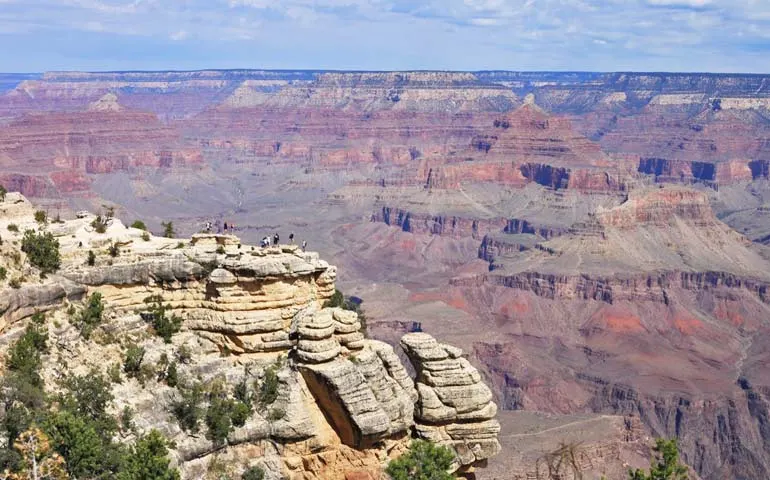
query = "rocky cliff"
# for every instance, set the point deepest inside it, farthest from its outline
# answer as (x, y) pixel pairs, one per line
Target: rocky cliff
(343, 404)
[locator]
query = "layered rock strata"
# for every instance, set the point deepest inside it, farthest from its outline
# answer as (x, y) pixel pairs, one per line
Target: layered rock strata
(454, 407)
(343, 403)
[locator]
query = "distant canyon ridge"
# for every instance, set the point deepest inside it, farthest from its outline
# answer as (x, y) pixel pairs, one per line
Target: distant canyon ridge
(596, 241)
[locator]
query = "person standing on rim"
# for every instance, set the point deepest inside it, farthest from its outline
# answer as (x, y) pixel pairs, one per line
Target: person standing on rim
(291, 238)
(276, 239)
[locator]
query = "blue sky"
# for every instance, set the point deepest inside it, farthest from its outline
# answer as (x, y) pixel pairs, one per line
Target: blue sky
(610, 35)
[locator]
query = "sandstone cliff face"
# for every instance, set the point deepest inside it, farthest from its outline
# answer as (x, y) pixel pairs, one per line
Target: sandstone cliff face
(344, 403)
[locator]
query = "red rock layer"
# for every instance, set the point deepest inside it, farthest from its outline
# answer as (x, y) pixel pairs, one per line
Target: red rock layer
(62, 148)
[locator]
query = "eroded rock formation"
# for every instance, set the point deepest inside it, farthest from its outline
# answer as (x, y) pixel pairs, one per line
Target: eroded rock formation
(454, 407)
(343, 403)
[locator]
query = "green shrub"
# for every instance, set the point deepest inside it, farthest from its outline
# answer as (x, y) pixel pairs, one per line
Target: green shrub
(113, 250)
(3, 273)
(239, 413)
(218, 421)
(99, 224)
(91, 316)
(276, 414)
(163, 325)
(180, 245)
(146, 236)
(12, 227)
(87, 448)
(41, 217)
(664, 466)
(148, 459)
(22, 392)
(89, 395)
(336, 300)
(339, 300)
(184, 354)
(24, 357)
(127, 419)
(187, 409)
(168, 229)
(42, 249)
(242, 394)
(15, 283)
(253, 473)
(221, 250)
(132, 362)
(114, 373)
(139, 224)
(268, 389)
(423, 461)
(172, 376)
(91, 258)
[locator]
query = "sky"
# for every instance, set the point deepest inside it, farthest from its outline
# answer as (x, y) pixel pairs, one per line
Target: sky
(583, 35)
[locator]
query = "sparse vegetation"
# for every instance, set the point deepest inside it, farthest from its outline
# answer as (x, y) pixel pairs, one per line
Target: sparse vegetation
(218, 419)
(12, 227)
(127, 419)
(221, 250)
(41, 217)
(424, 461)
(42, 249)
(184, 354)
(148, 458)
(187, 409)
(253, 473)
(72, 431)
(3, 273)
(91, 316)
(168, 229)
(560, 463)
(114, 373)
(276, 414)
(139, 224)
(132, 362)
(99, 224)
(339, 300)
(224, 413)
(146, 236)
(172, 376)
(268, 389)
(180, 245)
(91, 258)
(664, 466)
(15, 283)
(113, 250)
(164, 326)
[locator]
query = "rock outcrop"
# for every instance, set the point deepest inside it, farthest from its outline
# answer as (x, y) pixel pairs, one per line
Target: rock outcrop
(340, 404)
(454, 406)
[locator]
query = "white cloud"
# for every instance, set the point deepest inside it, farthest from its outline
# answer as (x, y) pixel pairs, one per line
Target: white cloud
(179, 35)
(681, 3)
(459, 34)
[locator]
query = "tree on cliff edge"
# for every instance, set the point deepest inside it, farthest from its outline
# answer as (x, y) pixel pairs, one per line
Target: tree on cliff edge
(424, 461)
(664, 466)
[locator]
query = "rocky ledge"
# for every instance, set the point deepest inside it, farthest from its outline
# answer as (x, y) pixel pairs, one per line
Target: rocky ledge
(343, 404)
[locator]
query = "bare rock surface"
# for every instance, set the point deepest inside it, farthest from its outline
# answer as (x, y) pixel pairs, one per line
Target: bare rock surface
(454, 406)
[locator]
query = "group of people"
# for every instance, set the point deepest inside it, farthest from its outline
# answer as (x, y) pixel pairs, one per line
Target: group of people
(226, 227)
(264, 243)
(275, 240)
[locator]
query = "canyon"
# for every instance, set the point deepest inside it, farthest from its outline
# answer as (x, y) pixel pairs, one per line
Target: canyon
(595, 242)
